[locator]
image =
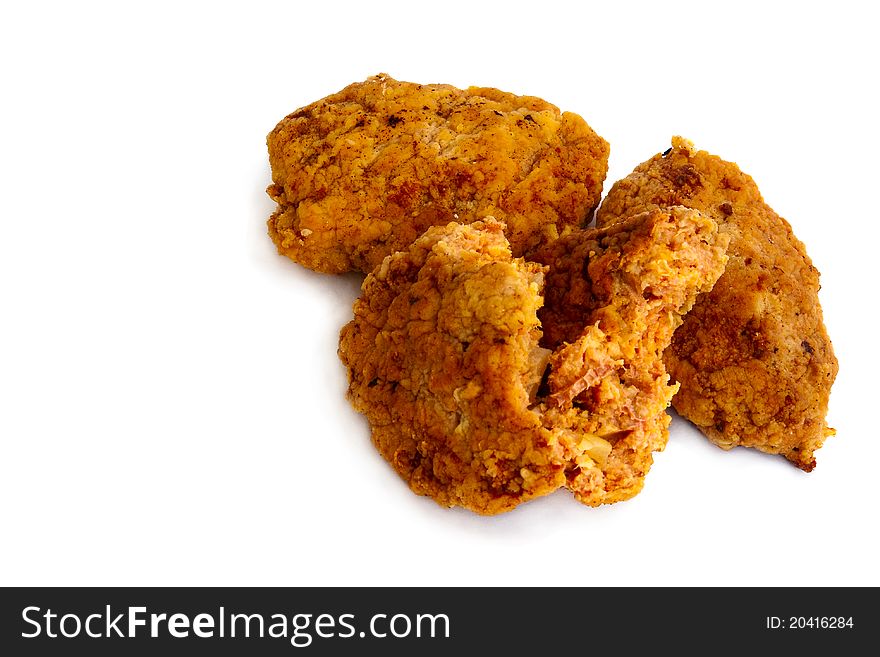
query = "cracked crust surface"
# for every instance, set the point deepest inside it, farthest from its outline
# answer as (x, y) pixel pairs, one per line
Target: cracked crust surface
(363, 172)
(444, 360)
(629, 284)
(753, 357)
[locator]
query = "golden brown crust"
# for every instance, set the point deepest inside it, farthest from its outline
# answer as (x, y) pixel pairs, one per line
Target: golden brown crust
(753, 357)
(444, 360)
(439, 356)
(363, 172)
(630, 283)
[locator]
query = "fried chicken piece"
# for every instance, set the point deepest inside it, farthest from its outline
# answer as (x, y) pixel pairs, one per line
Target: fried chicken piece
(753, 357)
(444, 360)
(362, 173)
(630, 284)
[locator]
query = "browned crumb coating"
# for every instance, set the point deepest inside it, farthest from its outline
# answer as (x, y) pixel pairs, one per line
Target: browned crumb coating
(362, 173)
(629, 284)
(753, 357)
(444, 360)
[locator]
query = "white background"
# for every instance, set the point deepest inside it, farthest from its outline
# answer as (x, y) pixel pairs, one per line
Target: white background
(172, 409)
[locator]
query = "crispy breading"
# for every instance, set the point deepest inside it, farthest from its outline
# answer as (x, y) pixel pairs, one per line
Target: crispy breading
(363, 172)
(753, 357)
(444, 360)
(629, 284)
